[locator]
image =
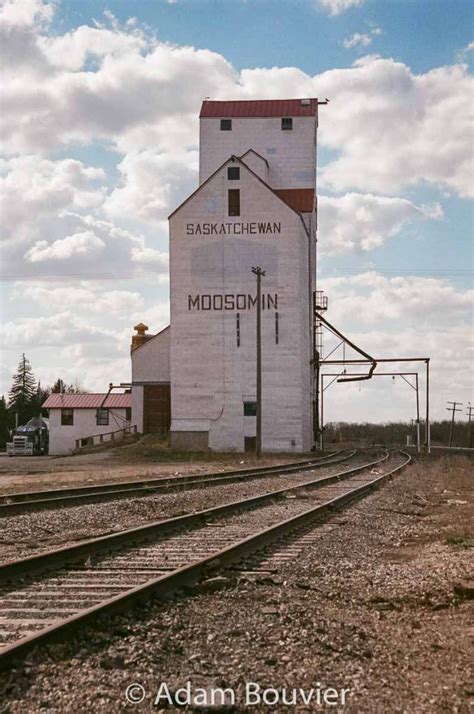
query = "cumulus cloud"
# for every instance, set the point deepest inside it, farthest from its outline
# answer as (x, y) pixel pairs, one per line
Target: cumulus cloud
(56, 330)
(78, 245)
(370, 298)
(363, 221)
(154, 182)
(392, 131)
(361, 39)
(149, 256)
(386, 123)
(336, 7)
(357, 39)
(157, 316)
(134, 99)
(400, 317)
(25, 13)
(82, 332)
(117, 86)
(74, 49)
(83, 298)
(52, 213)
(32, 187)
(85, 243)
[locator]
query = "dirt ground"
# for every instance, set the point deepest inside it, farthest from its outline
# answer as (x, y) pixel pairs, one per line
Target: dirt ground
(379, 603)
(129, 463)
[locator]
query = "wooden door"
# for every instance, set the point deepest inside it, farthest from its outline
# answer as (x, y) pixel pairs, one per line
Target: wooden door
(156, 408)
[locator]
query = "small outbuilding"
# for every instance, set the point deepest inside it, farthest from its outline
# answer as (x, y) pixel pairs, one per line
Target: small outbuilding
(75, 419)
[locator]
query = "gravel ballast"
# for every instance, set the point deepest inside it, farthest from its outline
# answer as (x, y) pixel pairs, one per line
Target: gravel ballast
(26, 534)
(378, 604)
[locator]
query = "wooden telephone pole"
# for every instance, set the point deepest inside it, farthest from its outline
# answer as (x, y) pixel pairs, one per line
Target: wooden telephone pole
(258, 442)
(453, 410)
(470, 410)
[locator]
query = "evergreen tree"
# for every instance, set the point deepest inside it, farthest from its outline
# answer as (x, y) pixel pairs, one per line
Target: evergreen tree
(39, 399)
(22, 393)
(60, 387)
(4, 423)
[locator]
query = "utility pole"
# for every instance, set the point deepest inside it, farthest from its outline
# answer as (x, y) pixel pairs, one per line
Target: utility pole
(470, 410)
(258, 442)
(453, 410)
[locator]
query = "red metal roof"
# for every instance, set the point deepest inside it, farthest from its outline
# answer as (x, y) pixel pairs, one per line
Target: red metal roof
(88, 401)
(301, 199)
(259, 108)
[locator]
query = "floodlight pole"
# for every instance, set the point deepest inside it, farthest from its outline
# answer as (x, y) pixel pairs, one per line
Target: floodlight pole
(258, 441)
(418, 435)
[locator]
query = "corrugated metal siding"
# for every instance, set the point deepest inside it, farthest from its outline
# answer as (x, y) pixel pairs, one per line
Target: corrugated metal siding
(87, 401)
(259, 108)
(301, 199)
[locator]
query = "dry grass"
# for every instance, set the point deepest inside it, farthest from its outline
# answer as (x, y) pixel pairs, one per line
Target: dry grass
(441, 490)
(158, 449)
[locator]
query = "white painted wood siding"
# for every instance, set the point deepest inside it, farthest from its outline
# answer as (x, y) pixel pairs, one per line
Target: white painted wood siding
(210, 375)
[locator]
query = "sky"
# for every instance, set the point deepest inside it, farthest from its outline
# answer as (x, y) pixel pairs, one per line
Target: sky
(100, 104)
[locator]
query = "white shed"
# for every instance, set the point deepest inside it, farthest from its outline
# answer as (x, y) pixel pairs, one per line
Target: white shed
(76, 418)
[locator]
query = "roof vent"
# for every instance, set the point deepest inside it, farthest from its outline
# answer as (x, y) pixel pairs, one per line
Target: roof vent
(305, 102)
(140, 337)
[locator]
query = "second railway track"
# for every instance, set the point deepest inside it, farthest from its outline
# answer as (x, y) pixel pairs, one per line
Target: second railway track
(49, 595)
(17, 503)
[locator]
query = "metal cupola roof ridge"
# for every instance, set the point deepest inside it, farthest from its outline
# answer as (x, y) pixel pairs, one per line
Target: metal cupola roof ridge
(265, 108)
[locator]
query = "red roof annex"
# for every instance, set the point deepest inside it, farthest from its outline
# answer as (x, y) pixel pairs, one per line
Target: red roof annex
(88, 401)
(260, 108)
(301, 199)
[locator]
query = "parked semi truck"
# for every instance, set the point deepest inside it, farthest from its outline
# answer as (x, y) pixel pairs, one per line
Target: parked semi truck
(31, 439)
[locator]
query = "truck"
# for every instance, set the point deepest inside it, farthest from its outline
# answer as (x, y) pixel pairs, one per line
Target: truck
(31, 439)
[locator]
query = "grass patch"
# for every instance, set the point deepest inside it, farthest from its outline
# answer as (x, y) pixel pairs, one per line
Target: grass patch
(151, 447)
(460, 541)
(154, 448)
(158, 448)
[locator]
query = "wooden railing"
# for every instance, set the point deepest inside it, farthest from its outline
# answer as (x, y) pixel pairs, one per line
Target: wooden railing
(113, 435)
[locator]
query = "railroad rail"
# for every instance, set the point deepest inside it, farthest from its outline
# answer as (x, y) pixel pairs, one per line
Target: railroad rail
(48, 596)
(16, 503)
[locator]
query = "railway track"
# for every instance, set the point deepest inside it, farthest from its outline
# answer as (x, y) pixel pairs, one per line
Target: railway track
(47, 596)
(16, 503)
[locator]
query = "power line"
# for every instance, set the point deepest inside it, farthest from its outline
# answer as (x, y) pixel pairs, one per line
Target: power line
(82, 276)
(453, 273)
(402, 272)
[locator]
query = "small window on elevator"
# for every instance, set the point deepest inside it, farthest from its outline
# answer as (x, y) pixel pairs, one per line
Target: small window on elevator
(234, 202)
(287, 123)
(250, 408)
(226, 124)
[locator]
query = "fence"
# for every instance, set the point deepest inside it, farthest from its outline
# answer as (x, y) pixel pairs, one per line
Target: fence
(96, 439)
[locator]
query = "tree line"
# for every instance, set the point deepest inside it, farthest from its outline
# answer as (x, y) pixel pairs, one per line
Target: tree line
(26, 397)
(396, 433)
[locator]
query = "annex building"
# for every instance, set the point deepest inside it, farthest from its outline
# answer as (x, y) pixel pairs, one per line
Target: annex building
(255, 206)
